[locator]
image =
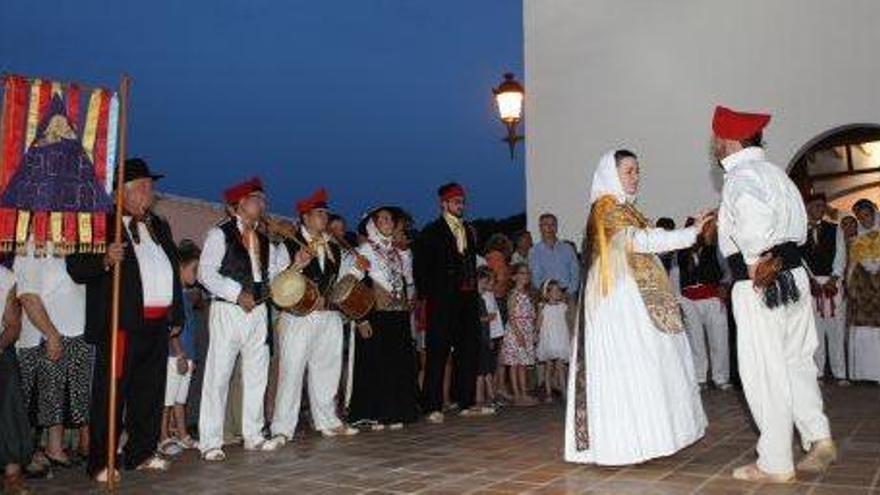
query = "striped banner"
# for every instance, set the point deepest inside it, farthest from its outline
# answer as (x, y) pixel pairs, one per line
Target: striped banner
(26, 104)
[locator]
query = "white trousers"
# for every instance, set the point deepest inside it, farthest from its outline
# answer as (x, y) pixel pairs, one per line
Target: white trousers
(312, 342)
(234, 332)
(831, 332)
(778, 373)
(707, 321)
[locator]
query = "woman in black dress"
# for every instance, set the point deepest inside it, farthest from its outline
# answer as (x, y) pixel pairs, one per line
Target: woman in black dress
(385, 390)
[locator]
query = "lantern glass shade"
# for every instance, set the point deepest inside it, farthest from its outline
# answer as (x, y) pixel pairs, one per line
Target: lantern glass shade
(510, 105)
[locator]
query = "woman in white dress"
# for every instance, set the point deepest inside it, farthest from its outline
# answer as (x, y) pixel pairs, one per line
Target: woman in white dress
(633, 395)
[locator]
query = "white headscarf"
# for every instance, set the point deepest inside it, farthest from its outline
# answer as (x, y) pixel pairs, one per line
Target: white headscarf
(374, 235)
(607, 182)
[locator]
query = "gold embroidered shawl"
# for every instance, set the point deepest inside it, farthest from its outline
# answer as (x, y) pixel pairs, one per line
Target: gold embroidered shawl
(608, 218)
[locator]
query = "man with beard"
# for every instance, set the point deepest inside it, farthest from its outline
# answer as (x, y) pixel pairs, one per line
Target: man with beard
(761, 222)
(446, 279)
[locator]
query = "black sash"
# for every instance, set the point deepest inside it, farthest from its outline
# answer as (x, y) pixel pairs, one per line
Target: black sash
(784, 289)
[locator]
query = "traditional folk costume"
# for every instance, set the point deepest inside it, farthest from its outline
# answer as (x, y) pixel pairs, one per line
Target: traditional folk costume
(312, 342)
(701, 274)
(863, 285)
(632, 394)
(762, 213)
(150, 304)
(445, 267)
(385, 386)
(236, 258)
(825, 256)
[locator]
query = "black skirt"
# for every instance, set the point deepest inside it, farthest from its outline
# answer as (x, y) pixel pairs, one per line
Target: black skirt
(15, 433)
(384, 381)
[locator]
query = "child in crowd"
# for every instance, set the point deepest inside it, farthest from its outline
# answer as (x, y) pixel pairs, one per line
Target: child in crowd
(181, 362)
(518, 345)
(554, 341)
(490, 319)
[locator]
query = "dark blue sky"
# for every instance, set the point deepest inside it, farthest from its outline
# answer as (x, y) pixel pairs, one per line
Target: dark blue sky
(378, 100)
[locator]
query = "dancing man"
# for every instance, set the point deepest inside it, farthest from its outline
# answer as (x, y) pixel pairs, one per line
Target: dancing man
(761, 222)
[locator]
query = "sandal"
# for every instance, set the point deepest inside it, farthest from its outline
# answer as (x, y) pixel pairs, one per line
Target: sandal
(214, 455)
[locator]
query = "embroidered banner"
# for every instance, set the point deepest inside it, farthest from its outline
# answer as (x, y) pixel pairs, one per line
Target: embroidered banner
(40, 131)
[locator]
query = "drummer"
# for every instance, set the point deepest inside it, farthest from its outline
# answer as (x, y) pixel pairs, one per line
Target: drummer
(313, 341)
(235, 267)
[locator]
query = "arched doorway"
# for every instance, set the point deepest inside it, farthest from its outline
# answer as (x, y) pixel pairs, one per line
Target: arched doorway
(843, 163)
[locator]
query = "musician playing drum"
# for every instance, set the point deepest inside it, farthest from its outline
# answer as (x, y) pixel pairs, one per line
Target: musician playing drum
(236, 266)
(312, 341)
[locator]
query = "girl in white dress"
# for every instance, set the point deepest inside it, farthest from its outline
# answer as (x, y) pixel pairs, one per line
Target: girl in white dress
(632, 393)
(554, 339)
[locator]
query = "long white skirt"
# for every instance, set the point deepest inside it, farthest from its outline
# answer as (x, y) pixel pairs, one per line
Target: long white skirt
(642, 396)
(864, 352)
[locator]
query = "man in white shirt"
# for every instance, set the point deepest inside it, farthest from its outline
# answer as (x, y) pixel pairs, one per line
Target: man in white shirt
(150, 308)
(236, 266)
(761, 222)
(311, 342)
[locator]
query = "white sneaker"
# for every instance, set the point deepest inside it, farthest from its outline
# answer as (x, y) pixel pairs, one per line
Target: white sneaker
(395, 426)
(340, 431)
(155, 463)
(260, 445)
(275, 443)
(435, 417)
(724, 387)
(214, 455)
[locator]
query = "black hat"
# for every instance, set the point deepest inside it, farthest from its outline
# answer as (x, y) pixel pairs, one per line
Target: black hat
(136, 168)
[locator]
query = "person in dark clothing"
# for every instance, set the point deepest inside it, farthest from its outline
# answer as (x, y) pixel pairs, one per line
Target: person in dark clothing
(150, 306)
(445, 275)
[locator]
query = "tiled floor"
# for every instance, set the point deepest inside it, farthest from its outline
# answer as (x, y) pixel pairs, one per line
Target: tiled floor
(517, 452)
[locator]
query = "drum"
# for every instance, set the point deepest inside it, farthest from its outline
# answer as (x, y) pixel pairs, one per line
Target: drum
(293, 292)
(352, 297)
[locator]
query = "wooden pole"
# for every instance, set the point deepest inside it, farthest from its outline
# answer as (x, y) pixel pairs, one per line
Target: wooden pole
(117, 282)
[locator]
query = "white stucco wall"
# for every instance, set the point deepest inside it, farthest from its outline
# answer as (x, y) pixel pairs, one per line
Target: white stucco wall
(647, 74)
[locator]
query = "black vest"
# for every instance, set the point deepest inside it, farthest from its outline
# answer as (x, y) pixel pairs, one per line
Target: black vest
(704, 270)
(325, 278)
(820, 256)
(236, 262)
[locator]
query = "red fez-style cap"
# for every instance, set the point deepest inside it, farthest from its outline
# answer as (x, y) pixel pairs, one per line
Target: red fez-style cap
(451, 191)
(317, 201)
(240, 191)
(730, 124)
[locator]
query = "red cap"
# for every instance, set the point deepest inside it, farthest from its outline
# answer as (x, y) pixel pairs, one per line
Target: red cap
(451, 191)
(318, 200)
(730, 124)
(240, 191)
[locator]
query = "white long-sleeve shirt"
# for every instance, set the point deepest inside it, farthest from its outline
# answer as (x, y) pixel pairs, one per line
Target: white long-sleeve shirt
(760, 206)
(212, 257)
